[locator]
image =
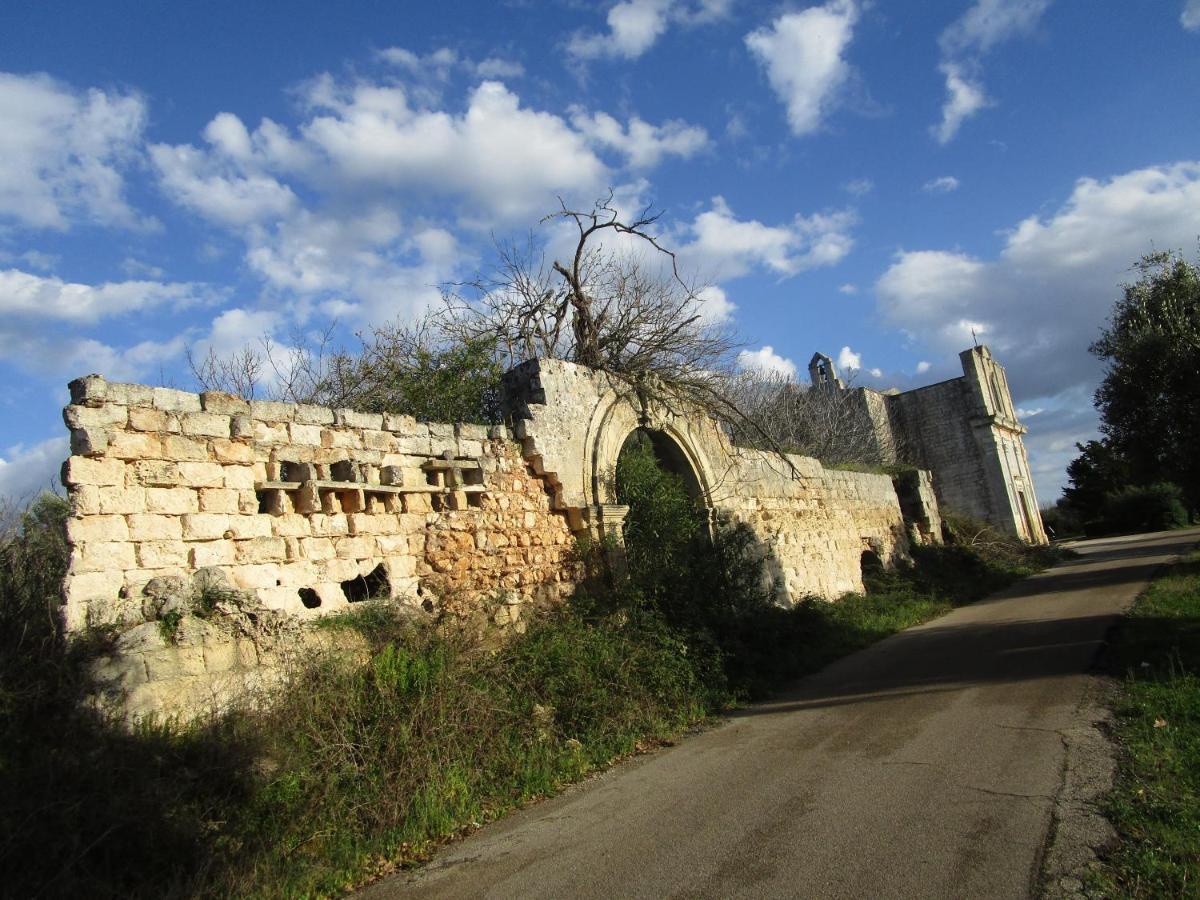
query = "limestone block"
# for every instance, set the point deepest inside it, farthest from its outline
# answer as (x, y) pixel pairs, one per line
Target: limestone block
(252, 577)
(378, 440)
(169, 400)
(261, 550)
(317, 548)
(223, 403)
(102, 556)
(178, 447)
(342, 569)
(306, 414)
(204, 424)
(146, 527)
(417, 503)
(268, 432)
(107, 416)
(97, 528)
(470, 432)
(89, 441)
(134, 445)
(297, 574)
(201, 474)
(473, 449)
(175, 501)
(348, 418)
(247, 502)
(271, 411)
(392, 544)
(81, 470)
(90, 389)
(85, 499)
(253, 526)
(305, 435)
(219, 500)
(239, 478)
(401, 424)
(143, 418)
(211, 553)
(85, 586)
(285, 599)
(354, 547)
(329, 525)
(156, 473)
(241, 427)
(417, 442)
(341, 439)
(120, 500)
(227, 451)
(367, 523)
(401, 566)
(173, 663)
(204, 526)
(291, 525)
(161, 554)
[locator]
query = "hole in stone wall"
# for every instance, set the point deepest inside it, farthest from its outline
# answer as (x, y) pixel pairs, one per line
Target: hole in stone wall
(289, 471)
(472, 476)
(437, 502)
(475, 500)
(342, 471)
(433, 479)
(310, 598)
(364, 587)
(264, 503)
(872, 565)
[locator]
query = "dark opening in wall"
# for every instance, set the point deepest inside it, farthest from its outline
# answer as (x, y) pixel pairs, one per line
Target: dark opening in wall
(475, 500)
(310, 598)
(289, 471)
(365, 587)
(264, 501)
(436, 501)
(472, 476)
(872, 565)
(343, 471)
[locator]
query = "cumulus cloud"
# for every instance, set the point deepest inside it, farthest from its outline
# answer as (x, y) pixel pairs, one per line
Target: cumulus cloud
(803, 55)
(859, 187)
(849, 289)
(643, 145)
(1190, 17)
(848, 360)
(64, 152)
(1042, 300)
(634, 26)
(27, 471)
(923, 366)
(943, 185)
(767, 362)
(715, 305)
(984, 25)
(724, 246)
(25, 295)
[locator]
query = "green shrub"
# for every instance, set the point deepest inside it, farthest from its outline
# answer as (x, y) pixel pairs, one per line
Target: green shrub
(1154, 507)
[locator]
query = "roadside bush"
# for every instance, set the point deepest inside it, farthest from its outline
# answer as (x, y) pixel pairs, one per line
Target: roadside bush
(1154, 507)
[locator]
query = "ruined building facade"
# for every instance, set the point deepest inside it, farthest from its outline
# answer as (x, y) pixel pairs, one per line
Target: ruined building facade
(964, 431)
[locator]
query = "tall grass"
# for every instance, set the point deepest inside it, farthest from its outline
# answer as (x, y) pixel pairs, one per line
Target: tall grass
(1155, 805)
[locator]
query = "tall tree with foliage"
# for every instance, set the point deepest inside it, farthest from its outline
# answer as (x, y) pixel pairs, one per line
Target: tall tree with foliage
(1149, 400)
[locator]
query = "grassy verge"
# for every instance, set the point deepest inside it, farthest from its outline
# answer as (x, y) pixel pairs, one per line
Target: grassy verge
(360, 765)
(1155, 805)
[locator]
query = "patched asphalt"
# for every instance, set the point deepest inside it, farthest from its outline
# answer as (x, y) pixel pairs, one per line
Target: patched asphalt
(929, 765)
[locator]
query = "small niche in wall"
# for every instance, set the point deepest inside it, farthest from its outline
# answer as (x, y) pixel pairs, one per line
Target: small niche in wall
(366, 587)
(310, 598)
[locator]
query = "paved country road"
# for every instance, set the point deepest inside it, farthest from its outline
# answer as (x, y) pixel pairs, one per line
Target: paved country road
(925, 766)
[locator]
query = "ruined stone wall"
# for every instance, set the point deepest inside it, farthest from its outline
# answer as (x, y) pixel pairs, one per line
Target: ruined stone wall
(304, 509)
(813, 523)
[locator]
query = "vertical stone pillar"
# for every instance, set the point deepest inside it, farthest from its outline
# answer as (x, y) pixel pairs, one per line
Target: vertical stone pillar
(606, 524)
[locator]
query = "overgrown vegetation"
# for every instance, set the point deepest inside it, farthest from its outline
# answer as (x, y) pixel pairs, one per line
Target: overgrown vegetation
(367, 760)
(1155, 805)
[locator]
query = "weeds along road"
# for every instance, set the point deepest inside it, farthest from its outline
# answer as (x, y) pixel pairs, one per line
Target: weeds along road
(924, 766)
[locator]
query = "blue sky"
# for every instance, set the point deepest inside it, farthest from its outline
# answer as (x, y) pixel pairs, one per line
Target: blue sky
(868, 179)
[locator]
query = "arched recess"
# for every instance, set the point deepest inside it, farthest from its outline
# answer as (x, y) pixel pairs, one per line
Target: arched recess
(675, 442)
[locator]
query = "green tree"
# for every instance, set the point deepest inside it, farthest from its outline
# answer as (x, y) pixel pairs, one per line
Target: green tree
(1149, 400)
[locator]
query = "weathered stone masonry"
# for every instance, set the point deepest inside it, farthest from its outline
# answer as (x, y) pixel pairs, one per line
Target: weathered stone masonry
(305, 508)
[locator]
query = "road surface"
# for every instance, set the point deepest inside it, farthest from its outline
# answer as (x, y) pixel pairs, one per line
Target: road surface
(924, 766)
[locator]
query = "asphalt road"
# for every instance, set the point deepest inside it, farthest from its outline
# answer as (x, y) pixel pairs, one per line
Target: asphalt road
(924, 766)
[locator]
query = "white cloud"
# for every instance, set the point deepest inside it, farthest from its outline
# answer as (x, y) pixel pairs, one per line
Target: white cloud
(848, 289)
(642, 144)
(1042, 300)
(1190, 17)
(715, 306)
(964, 98)
(495, 67)
(25, 295)
(27, 471)
(984, 25)
(766, 361)
(991, 22)
(634, 26)
(859, 187)
(942, 185)
(440, 63)
(847, 359)
(724, 246)
(64, 151)
(923, 366)
(803, 54)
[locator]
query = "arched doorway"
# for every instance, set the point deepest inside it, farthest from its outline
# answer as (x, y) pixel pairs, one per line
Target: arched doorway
(671, 458)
